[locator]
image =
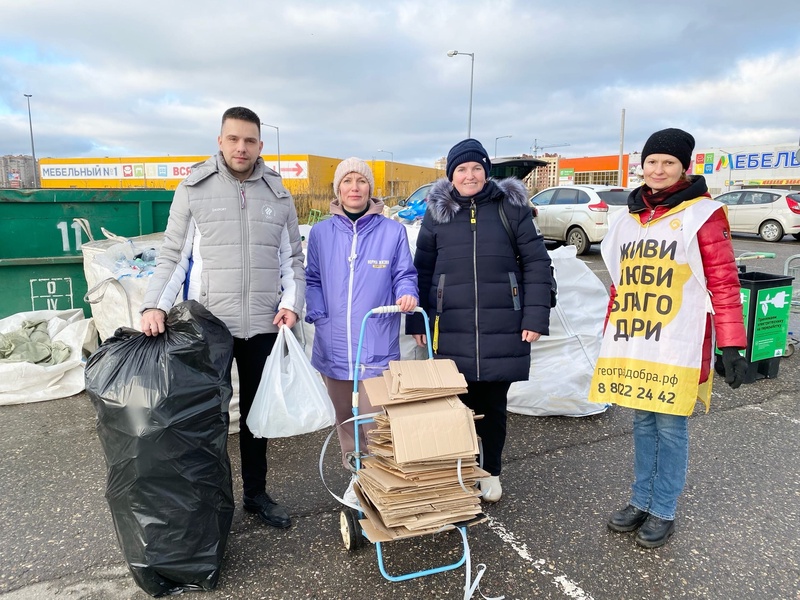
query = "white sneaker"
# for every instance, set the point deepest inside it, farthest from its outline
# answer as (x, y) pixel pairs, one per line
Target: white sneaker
(350, 494)
(491, 489)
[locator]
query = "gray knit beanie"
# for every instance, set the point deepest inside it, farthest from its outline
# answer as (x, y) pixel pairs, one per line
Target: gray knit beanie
(352, 165)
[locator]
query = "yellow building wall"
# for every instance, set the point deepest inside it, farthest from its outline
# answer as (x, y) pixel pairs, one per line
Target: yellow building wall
(128, 172)
(398, 180)
(309, 178)
(302, 173)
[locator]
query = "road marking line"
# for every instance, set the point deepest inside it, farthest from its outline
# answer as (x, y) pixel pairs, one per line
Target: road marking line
(774, 414)
(568, 587)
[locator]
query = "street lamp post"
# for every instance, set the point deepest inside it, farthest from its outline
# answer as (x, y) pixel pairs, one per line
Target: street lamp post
(451, 54)
(278, 134)
(33, 150)
(499, 137)
(391, 171)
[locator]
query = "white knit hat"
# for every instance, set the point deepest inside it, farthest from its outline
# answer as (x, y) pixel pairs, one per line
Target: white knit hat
(352, 165)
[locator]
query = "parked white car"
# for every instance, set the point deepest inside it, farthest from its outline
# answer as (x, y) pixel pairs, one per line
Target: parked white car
(616, 198)
(771, 213)
(573, 214)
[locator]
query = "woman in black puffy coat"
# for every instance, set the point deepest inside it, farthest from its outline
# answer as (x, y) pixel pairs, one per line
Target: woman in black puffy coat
(484, 310)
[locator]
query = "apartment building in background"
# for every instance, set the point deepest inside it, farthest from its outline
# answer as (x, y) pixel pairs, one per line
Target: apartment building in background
(17, 172)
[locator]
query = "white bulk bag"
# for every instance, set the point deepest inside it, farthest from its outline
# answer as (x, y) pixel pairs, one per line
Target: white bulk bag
(562, 363)
(23, 382)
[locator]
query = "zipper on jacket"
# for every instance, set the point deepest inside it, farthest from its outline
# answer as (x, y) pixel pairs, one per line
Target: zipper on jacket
(351, 264)
(439, 305)
(473, 225)
(245, 264)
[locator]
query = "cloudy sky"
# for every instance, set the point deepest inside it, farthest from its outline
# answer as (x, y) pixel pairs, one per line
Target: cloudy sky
(342, 78)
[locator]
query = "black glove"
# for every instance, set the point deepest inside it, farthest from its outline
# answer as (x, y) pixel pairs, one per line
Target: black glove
(735, 366)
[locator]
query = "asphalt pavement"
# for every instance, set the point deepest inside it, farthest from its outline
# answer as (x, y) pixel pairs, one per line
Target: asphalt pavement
(736, 529)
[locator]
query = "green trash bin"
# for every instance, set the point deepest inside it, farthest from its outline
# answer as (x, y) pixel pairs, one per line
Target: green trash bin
(41, 264)
(766, 300)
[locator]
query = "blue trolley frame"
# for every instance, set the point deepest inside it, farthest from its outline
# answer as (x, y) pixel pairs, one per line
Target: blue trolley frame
(357, 422)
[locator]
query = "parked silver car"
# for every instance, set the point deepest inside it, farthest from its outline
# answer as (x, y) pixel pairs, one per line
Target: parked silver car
(771, 213)
(573, 214)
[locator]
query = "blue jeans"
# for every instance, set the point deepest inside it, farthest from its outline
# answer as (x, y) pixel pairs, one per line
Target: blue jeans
(661, 459)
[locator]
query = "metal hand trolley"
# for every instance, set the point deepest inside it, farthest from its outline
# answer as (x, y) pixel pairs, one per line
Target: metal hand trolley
(791, 268)
(352, 534)
(751, 256)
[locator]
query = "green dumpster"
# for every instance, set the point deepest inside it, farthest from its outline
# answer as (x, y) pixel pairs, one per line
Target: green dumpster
(41, 265)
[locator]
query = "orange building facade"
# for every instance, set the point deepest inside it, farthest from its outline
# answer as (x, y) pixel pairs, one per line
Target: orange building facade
(595, 170)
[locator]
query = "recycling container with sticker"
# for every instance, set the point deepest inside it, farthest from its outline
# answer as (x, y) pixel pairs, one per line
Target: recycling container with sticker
(766, 300)
(41, 264)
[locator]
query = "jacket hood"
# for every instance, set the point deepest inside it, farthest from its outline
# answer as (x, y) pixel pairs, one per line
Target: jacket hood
(697, 188)
(443, 205)
(216, 164)
(375, 207)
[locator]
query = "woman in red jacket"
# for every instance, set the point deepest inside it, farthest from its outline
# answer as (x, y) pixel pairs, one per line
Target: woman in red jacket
(674, 278)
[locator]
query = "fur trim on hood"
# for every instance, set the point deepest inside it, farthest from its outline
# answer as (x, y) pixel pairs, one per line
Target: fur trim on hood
(443, 206)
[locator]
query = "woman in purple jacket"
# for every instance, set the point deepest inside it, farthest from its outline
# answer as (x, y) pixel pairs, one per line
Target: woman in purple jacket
(356, 260)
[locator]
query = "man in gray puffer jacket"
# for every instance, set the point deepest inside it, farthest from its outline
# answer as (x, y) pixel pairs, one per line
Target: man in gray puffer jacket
(233, 240)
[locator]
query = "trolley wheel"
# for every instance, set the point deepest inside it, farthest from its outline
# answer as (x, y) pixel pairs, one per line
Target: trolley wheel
(351, 530)
(789, 349)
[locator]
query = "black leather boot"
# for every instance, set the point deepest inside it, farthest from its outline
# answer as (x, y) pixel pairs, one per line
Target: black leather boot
(626, 519)
(654, 532)
(267, 510)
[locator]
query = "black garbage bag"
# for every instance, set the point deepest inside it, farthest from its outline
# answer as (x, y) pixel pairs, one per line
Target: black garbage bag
(162, 418)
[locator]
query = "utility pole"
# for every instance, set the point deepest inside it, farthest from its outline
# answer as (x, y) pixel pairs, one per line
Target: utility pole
(499, 137)
(621, 145)
(33, 149)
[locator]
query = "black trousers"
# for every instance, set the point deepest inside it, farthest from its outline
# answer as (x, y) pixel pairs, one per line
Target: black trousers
(489, 398)
(250, 355)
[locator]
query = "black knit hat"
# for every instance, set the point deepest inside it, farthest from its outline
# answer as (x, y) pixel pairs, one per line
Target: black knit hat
(468, 150)
(675, 142)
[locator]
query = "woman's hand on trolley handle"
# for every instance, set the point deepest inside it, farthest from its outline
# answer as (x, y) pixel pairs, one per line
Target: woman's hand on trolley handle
(406, 303)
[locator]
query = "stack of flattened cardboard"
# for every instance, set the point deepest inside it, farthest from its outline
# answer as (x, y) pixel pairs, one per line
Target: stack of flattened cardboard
(421, 472)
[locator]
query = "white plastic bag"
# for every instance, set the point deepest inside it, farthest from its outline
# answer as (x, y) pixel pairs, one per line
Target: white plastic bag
(291, 398)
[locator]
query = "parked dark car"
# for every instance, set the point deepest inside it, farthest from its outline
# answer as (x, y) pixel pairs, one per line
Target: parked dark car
(503, 167)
